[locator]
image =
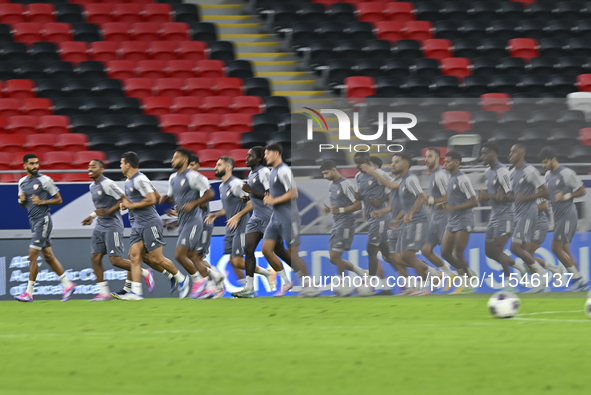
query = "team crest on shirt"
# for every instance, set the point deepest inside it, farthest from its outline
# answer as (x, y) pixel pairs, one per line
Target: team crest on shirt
(183, 181)
(339, 192)
(454, 187)
(557, 182)
(275, 179)
(433, 183)
(370, 182)
(228, 193)
(254, 180)
(521, 180)
(100, 192)
(35, 186)
(494, 181)
(131, 189)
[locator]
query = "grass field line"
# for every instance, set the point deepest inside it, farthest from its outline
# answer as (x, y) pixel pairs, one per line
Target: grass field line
(551, 312)
(557, 320)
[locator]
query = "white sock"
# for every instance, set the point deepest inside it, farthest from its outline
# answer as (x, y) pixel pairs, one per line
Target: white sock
(145, 272)
(359, 271)
(575, 271)
(383, 284)
(553, 268)
(521, 267)
(30, 286)
(214, 274)
(283, 275)
(242, 282)
(167, 274)
(103, 288)
(179, 277)
(136, 288)
(262, 271)
(64, 280)
(447, 271)
(127, 286)
(432, 271)
(249, 283)
(538, 268)
(196, 277)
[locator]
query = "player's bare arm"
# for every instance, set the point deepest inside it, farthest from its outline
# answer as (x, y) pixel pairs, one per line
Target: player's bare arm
(56, 200)
(233, 222)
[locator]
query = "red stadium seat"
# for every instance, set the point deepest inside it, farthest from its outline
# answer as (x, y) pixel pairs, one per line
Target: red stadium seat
(36, 106)
(157, 105)
(171, 87)
(99, 13)
(83, 158)
(456, 120)
(190, 105)
(150, 69)
(225, 140)
(22, 124)
(216, 104)
(208, 158)
(175, 31)
(584, 136)
(525, 3)
(12, 13)
(10, 107)
(247, 105)
(180, 69)
(418, 30)
(27, 32)
(359, 87)
(18, 89)
(40, 13)
(400, 12)
(103, 51)
(206, 122)
(143, 2)
(192, 50)
(12, 143)
(525, 48)
(41, 143)
(200, 87)
(371, 12)
(157, 13)
(54, 124)
(437, 48)
(229, 86)
(239, 156)
(162, 50)
(176, 124)
(145, 31)
(241, 123)
(120, 69)
(128, 13)
(116, 31)
(139, 88)
(497, 102)
(73, 51)
(584, 82)
(16, 163)
(457, 67)
(211, 68)
(72, 142)
(56, 32)
(3, 124)
(390, 30)
(5, 159)
(133, 50)
(194, 141)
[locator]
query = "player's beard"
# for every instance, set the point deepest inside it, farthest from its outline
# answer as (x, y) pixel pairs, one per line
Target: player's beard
(33, 172)
(220, 174)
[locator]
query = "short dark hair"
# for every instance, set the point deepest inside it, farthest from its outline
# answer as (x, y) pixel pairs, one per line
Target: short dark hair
(29, 156)
(193, 158)
(361, 153)
(328, 165)
(405, 157)
(546, 153)
(376, 161)
(521, 146)
(436, 150)
(228, 160)
(132, 159)
(491, 146)
(275, 147)
(260, 151)
(100, 162)
(185, 152)
(455, 155)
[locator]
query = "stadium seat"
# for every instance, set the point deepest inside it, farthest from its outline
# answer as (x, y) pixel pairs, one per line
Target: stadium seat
(36, 106)
(127, 13)
(312, 12)
(157, 13)
(31, 70)
(145, 31)
(371, 12)
(12, 143)
(66, 106)
(466, 48)
(418, 30)
(239, 156)
(14, 52)
(584, 82)
(359, 87)
(162, 50)
(150, 69)
(124, 105)
(176, 124)
(175, 31)
(44, 52)
(206, 122)
(99, 13)
(114, 124)
(57, 161)
(139, 88)
(131, 142)
(91, 70)
(496, 102)
(236, 123)
(391, 31)
(246, 105)
(253, 139)
(192, 50)
(54, 124)
(584, 136)
(276, 105)
(408, 49)
(69, 13)
(56, 32)
(40, 13)
(475, 85)
(121, 69)
(509, 10)
(116, 32)
(450, 30)
(399, 11)
(457, 67)
(370, 67)
(216, 104)
(10, 107)
(108, 87)
(133, 50)
(40, 143)
(88, 32)
(209, 157)
(157, 105)
(12, 13)
(82, 158)
(194, 141)
(27, 32)
(186, 105)
(144, 124)
(210, 68)
(342, 12)
(180, 69)
(229, 86)
(73, 51)
(162, 141)
(18, 89)
(459, 121)
(524, 48)
(199, 87)
(225, 140)
(103, 51)
(437, 48)
(266, 122)
(171, 87)
(204, 31)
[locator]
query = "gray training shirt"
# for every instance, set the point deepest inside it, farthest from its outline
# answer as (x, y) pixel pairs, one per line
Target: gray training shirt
(438, 189)
(566, 181)
(258, 179)
(184, 188)
(499, 177)
(230, 194)
(136, 189)
(369, 187)
(342, 194)
(409, 191)
(105, 194)
(525, 180)
(40, 185)
(459, 191)
(280, 181)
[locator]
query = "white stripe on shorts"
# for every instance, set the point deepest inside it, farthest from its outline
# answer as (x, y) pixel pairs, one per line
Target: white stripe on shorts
(45, 226)
(193, 231)
(418, 231)
(566, 226)
(116, 238)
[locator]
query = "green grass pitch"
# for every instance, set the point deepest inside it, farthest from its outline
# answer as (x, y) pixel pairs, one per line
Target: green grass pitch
(404, 345)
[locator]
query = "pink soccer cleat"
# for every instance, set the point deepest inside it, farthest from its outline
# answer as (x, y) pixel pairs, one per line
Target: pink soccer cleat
(68, 292)
(149, 279)
(197, 288)
(284, 289)
(24, 297)
(101, 298)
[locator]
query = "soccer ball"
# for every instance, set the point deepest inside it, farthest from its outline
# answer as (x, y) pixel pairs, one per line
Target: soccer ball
(504, 304)
(588, 307)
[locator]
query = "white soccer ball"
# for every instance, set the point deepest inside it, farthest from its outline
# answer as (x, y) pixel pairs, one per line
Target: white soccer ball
(504, 304)
(588, 307)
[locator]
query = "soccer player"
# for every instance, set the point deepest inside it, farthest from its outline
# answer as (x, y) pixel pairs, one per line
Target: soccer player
(235, 210)
(256, 187)
(528, 186)
(107, 237)
(36, 192)
(376, 162)
(461, 199)
(285, 220)
(146, 229)
(190, 190)
(343, 206)
(437, 194)
(563, 186)
(499, 229)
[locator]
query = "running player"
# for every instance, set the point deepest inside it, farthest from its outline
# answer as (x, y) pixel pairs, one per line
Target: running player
(563, 186)
(146, 228)
(376, 162)
(499, 229)
(528, 187)
(343, 206)
(285, 220)
(461, 199)
(190, 190)
(107, 237)
(236, 211)
(36, 192)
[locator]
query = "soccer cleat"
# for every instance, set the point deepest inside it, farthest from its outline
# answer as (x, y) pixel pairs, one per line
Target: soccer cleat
(578, 285)
(68, 292)
(448, 284)
(101, 298)
(385, 292)
(209, 291)
(405, 291)
(343, 291)
(365, 290)
(309, 292)
(24, 297)
(420, 292)
(285, 288)
(131, 296)
(468, 290)
(117, 295)
(244, 294)
(197, 288)
(184, 288)
(272, 280)
(149, 279)
(536, 290)
(173, 285)
(220, 291)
